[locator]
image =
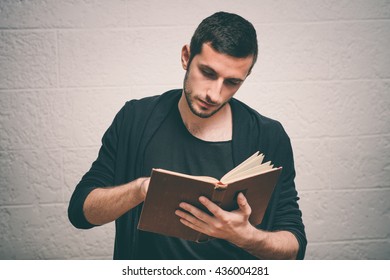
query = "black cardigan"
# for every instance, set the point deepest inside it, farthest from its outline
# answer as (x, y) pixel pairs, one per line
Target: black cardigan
(120, 161)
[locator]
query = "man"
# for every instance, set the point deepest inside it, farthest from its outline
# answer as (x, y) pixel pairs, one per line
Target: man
(200, 130)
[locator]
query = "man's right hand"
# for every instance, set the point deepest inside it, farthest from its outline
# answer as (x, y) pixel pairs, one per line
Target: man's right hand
(104, 205)
(144, 186)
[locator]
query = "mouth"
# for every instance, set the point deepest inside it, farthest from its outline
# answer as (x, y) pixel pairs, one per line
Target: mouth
(206, 105)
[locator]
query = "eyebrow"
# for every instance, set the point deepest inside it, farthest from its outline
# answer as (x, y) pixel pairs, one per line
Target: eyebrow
(208, 68)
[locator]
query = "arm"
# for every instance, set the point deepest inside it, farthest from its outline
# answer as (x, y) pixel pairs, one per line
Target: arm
(270, 245)
(94, 201)
(265, 244)
(235, 227)
(104, 205)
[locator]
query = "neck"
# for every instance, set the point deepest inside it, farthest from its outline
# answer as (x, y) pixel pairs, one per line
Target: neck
(217, 127)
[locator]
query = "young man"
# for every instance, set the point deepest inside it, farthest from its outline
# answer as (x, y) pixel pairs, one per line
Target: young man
(199, 130)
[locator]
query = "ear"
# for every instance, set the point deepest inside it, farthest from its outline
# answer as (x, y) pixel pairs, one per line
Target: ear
(185, 56)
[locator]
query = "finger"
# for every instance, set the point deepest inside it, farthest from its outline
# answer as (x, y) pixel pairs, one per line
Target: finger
(199, 214)
(193, 226)
(191, 221)
(212, 207)
(243, 204)
(186, 216)
(145, 184)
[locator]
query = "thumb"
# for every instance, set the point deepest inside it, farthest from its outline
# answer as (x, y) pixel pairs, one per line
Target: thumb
(144, 186)
(243, 204)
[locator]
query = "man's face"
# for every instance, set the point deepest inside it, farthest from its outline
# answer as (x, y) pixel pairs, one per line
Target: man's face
(212, 79)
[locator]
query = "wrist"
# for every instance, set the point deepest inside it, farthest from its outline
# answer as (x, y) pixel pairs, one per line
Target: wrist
(250, 237)
(141, 184)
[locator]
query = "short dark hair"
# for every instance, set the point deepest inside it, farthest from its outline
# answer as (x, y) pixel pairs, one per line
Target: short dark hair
(227, 33)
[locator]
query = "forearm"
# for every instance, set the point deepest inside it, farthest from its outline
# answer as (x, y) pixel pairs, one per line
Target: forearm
(270, 245)
(104, 205)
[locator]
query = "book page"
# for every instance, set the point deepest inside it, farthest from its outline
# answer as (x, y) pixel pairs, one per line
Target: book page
(255, 160)
(248, 168)
(249, 173)
(198, 178)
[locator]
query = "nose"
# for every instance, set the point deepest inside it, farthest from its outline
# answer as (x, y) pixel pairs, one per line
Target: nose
(214, 91)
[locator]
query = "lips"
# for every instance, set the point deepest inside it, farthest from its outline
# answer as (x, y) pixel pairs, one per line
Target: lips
(205, 104)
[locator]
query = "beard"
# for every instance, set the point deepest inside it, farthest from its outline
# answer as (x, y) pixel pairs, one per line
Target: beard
(191, 98)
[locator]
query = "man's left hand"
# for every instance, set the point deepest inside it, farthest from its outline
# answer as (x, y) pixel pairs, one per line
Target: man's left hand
(231, 226)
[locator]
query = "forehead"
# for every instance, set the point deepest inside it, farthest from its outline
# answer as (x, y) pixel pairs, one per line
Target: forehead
(223, 64)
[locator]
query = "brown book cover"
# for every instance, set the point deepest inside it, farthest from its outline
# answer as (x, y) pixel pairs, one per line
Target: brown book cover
(256, 180)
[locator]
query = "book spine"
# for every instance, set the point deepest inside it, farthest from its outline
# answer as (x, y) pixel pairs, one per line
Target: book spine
(218, 194)
(217, 198)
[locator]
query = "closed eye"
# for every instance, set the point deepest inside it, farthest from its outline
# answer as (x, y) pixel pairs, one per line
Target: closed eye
(233, 82)
(208, 74)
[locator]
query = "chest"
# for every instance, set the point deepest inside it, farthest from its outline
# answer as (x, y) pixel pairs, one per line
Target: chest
(173, 147)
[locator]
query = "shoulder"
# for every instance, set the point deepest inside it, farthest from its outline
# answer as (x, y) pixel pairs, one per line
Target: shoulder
(254, 132)
(136, 113)
(139, 109)
(255, 120)
(152, 101)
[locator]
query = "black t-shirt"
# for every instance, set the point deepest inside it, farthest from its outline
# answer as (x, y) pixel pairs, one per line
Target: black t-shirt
(121, 156)
(173, 147)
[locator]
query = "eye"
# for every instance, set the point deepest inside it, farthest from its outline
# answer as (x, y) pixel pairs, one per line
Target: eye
(207, 73)
(233, 82)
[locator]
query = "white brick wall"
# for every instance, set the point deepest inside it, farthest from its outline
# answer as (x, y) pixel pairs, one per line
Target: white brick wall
(66, 68)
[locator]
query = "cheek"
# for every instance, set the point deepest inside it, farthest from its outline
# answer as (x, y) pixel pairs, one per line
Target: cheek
(228, 92)
(197, 81)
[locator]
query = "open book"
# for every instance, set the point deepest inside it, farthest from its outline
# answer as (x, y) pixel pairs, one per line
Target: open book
(256, 180)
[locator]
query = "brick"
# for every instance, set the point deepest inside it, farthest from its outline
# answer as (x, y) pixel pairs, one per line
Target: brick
(138, 92)
(76, 163)
(359, 50)
(323, 51)
(121, 57)
(62, 14)
(152, 13)
(94, 111)
(44, 232)
(346, 214)
(293, 52)
(302, 108)
(353, 112)
(29, 59)
(30, 177)
(58, 118)
(350, 9)
(36, 119)
(323, 109)
(360, 162)
(96, 243)
(313, 162)
(347, 250)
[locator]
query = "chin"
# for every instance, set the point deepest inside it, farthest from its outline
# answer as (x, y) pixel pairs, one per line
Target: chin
(204, 114)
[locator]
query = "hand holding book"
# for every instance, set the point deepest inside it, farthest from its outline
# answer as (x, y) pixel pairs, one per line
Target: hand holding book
(167, 189)
(228, 225)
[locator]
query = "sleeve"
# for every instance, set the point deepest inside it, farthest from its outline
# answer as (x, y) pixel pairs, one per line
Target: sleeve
(287, 215)
(101, 173)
